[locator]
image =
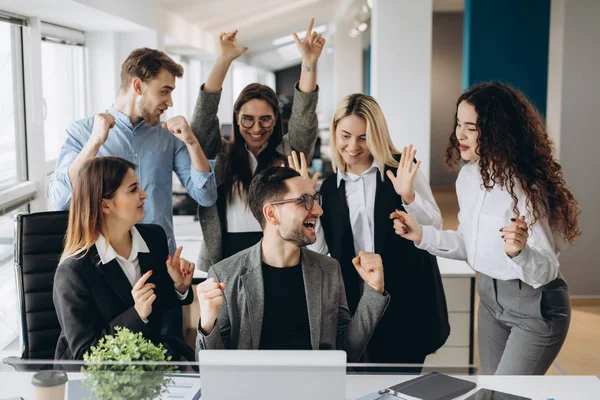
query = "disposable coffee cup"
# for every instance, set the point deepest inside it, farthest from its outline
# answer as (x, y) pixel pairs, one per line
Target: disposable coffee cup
(49, 385)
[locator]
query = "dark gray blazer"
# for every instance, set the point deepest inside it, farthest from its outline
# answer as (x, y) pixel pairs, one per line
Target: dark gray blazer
(240, 317)
(301, 137)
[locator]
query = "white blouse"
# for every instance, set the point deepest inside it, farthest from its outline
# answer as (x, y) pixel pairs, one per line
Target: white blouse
(239, 217)
(479, 240)
(360, 198)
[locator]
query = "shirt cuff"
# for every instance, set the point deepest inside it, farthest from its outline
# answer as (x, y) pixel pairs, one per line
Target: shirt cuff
(427, 238)
(198, 177)
(297, 90)
(63, 177)
(521, 259)
(415, 206)
(182, 296)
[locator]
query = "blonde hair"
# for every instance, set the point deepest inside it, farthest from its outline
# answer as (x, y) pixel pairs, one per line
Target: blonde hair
(378, 136)
(98, 178)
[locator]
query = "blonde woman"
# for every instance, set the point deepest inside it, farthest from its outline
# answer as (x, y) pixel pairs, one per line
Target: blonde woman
(113, 270)
(374, 179)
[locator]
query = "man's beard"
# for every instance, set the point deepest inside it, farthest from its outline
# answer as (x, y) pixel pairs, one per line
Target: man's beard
(150, 118)
(297, 236)
(148, 115)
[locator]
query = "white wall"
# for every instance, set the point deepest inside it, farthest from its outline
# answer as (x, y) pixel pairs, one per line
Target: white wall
(446, 76)
(573, 105)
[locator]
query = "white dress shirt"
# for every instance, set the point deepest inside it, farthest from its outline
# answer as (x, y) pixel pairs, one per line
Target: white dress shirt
(130, 265)
(360, 198)
(239, 217)
(479, 240)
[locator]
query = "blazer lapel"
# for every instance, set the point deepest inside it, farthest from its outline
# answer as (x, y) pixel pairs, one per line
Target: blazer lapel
(116, 278)
(254, 287)
(385, 203)
(312, 288)
(340, 217)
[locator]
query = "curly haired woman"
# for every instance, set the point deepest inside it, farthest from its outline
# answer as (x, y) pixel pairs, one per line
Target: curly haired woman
(516, 215)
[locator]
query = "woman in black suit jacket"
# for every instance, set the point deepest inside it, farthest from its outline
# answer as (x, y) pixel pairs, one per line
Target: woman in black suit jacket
(357, 203)
(113, 271)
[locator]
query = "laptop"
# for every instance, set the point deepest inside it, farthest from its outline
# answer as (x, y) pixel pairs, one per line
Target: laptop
(272, 374)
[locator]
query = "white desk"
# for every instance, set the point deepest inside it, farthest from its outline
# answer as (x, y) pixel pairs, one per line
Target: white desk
(536, 387)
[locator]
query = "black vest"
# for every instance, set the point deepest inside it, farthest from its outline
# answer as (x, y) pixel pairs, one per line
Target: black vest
(416, 319)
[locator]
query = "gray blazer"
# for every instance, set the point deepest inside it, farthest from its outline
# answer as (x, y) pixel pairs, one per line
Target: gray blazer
(303, 128)
(240, 317)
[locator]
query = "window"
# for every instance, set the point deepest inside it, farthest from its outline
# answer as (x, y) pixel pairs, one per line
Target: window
(63, 78)
(11, 103)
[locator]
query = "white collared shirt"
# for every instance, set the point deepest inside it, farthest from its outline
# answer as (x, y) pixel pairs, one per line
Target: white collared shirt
(360, 198)
(130, 265)
(239, 217)
(479, 241)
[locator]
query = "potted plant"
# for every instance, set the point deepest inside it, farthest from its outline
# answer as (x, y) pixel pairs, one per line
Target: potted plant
(120, 379)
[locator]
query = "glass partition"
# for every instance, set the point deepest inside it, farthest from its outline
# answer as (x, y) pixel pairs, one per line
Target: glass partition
(261, 378)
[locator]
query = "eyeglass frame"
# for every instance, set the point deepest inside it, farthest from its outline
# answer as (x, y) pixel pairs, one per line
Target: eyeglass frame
(302, 199)
(272, 118)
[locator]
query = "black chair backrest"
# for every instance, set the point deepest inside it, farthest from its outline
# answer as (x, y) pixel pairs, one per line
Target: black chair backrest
(38, 246)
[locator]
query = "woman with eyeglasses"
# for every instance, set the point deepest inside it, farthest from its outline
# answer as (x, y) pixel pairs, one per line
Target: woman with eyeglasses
(115, 271)
(257, 142)
(373, 180)
(516, 215)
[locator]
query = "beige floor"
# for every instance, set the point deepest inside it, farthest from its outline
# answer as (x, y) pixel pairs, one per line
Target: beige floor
(580, 354)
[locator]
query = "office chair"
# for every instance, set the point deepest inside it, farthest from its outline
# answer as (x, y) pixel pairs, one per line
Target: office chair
(38, 246)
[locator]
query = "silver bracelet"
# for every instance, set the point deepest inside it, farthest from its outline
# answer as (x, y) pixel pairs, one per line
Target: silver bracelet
(309, 69)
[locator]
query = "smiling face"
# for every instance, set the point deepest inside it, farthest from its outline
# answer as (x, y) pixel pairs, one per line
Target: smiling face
(296, 223)
(256, 113)
(154, 96)
(351, 143)
(126, 207)
(467, 132)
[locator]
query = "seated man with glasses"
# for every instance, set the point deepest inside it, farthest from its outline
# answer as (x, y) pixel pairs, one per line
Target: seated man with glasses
(280, 295)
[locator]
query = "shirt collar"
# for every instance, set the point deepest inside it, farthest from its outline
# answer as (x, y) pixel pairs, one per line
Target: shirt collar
(122, 117)
(107, 254)
(353, 177)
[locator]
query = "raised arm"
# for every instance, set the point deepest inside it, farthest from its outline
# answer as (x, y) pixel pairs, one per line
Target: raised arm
(205, 123)
(304, 126)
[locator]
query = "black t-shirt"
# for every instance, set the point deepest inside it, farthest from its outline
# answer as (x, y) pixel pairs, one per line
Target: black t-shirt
(285, 320)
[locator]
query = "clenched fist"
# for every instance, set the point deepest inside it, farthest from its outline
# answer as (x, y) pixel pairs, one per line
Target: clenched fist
(370, 269)
(103, 122)
(210, 297)
(180, 128)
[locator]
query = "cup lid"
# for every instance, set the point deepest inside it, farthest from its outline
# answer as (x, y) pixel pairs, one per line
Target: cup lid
(49, 378)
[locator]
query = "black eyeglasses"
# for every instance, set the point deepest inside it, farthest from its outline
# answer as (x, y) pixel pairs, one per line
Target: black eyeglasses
(307, 199)
(265, 121)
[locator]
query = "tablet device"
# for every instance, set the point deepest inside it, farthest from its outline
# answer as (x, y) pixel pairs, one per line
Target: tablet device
(487, 394)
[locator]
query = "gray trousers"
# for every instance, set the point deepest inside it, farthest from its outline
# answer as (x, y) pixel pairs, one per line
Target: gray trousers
(521, 329)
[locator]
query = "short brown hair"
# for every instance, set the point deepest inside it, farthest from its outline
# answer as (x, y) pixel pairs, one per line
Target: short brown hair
(145, 63)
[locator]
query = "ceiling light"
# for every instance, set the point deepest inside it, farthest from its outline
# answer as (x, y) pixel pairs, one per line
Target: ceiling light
(365, 9)
(354, 32)
(290, 39)
(370, 3)
(363, 27)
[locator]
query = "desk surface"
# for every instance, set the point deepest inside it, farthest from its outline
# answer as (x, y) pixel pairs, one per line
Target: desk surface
(536, 387)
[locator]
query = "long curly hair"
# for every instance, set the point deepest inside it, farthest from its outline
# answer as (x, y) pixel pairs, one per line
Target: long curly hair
(514, 148)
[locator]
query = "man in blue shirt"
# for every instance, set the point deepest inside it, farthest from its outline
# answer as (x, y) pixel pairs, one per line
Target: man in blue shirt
(130, 129)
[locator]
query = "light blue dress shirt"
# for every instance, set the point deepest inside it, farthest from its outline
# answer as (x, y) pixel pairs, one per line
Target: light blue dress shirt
(155, 151)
